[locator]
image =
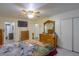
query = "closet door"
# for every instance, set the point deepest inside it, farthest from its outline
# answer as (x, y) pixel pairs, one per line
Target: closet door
(66, 34)
(76, 34)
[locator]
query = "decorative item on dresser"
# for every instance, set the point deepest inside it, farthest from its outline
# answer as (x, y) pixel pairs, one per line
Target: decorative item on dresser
(49, 35)
(24, 35)
(1, 37)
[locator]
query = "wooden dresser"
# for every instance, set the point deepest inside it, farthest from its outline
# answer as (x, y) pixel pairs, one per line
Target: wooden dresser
(48, 38)
(1, 37)
(24, 35)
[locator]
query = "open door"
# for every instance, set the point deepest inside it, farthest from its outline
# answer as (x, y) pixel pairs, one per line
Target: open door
(9, 31)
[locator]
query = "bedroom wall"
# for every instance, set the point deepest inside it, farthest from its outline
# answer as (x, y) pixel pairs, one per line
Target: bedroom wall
(17, 29)
(59, 18)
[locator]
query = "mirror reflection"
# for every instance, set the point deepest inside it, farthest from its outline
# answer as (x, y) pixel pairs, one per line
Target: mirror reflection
(49, 26)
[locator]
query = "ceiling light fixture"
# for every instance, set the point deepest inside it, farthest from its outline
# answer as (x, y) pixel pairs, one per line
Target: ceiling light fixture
(30, 14)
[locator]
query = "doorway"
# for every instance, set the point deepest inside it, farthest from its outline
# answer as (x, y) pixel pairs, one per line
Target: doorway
(9, 32)
(36, 31)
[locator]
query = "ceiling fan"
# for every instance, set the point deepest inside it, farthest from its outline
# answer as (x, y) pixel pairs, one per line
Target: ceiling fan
(29, 14)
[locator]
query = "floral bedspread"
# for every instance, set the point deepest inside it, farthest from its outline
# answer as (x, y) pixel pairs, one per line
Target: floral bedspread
(24, 50)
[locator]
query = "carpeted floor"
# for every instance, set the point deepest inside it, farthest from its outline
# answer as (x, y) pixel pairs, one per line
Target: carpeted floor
(64, 52)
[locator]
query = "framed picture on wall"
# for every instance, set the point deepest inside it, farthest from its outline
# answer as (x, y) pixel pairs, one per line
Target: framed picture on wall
(22, 23)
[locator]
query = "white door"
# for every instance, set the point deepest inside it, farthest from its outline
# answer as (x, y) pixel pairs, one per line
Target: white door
(66, 34)
(76, 34)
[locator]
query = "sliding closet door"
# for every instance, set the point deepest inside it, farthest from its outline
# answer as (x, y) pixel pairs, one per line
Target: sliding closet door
(76, 34)
(66, 34)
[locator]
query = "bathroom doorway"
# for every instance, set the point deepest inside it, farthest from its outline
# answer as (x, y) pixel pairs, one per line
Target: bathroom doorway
(9, 31)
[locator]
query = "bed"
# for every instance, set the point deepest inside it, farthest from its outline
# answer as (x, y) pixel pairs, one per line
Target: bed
(27, 48)
(42, 49)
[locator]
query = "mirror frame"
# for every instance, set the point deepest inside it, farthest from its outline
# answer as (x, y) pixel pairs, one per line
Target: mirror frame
(50, 21)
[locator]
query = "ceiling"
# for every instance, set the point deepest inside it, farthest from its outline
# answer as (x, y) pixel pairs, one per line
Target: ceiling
(46, 9)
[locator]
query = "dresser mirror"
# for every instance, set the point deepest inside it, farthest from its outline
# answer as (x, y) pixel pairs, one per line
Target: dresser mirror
(49, 36)
(49, 27)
